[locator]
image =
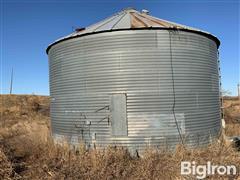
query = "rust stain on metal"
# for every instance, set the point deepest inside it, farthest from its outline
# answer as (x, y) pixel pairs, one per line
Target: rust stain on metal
(158, 22)
(136, 22)
(151, 21)
(139, 20)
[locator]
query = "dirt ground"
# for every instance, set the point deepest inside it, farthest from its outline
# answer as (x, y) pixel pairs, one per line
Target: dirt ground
(28, 152)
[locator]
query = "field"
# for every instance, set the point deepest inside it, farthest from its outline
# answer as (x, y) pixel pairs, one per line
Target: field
(28, 152)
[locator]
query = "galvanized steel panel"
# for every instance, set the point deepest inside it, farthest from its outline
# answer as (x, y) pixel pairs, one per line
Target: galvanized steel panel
(86, 71)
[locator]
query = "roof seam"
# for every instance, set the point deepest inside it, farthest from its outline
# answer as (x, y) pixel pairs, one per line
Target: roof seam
(112, 18)
(119, 20)
(154, 20)
(108, 19)
(137, 15)
(139, 20)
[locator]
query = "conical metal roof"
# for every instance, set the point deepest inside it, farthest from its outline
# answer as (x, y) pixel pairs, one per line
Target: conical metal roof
(128, 19)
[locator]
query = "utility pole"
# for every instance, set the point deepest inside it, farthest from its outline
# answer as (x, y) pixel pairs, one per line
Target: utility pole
(238, 91)
(11, 83)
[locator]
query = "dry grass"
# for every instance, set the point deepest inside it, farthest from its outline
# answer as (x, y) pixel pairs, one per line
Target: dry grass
(233, 129)
(232, 116)
(27, 151)
(232, 110)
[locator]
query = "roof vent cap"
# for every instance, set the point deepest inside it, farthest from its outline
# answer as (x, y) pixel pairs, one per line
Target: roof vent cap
(79, 29)
(144, 11)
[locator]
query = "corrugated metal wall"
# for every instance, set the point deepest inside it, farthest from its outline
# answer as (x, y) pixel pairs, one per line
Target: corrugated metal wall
(155, 69)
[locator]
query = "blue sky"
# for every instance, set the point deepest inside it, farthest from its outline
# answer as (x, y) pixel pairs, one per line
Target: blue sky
(28, 27)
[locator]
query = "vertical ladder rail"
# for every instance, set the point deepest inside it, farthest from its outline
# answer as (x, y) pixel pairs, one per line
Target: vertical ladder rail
(220, 87)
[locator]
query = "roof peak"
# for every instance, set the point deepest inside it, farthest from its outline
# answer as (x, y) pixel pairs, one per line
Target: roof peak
(129, 9)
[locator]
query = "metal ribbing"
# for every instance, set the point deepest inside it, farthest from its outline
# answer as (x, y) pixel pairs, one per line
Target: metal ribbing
(85, 71)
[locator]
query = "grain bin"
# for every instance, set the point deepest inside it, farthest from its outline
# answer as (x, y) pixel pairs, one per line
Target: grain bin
(135, 80)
